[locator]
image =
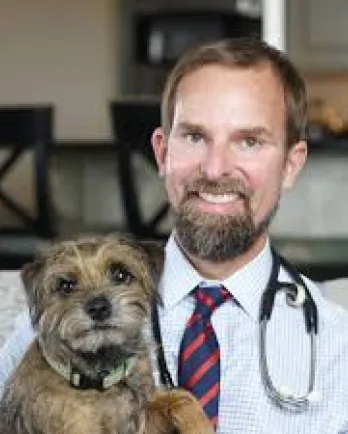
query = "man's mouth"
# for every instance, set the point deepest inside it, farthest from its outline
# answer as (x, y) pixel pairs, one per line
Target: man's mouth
(219, 198)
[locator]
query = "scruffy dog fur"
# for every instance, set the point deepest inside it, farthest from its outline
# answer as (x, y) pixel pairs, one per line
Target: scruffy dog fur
(90, 302)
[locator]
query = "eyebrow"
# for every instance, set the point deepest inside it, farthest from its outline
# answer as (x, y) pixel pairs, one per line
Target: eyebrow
(189, 126)
(253, 131)
(239, 132)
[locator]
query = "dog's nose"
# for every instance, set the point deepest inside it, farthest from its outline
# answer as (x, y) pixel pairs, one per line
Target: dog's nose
(98, 308)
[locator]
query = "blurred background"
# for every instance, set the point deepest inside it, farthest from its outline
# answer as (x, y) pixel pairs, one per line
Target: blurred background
(80, 82)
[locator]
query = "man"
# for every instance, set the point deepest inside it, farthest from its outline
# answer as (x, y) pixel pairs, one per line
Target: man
(231, 141)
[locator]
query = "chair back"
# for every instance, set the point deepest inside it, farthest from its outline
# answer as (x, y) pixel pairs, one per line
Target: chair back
(133, 123)
(27, 128)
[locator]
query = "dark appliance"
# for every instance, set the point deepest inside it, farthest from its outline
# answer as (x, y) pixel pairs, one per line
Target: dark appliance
(155, 33)
(161, 38)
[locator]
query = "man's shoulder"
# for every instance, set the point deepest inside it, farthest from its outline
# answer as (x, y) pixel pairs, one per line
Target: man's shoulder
(331, 294)
(336, 290)
(332, 305)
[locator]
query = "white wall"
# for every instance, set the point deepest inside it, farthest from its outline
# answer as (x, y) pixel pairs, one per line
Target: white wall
(62, 52)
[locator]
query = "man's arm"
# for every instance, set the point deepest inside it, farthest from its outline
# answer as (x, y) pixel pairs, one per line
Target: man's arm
(15, 347)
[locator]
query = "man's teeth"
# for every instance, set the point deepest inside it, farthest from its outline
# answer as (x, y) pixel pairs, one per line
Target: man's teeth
(219, 198)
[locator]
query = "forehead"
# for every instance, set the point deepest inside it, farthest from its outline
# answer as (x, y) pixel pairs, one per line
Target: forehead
(219, 94)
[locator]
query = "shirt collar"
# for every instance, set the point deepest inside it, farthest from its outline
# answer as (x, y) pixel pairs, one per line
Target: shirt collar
(246, 285)
(176, 285)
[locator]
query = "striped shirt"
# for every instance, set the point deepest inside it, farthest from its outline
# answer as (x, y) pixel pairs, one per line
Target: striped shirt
(244, 405)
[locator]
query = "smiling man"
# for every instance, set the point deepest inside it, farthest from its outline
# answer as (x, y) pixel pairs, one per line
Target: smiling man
(231, 140)
(226, 155)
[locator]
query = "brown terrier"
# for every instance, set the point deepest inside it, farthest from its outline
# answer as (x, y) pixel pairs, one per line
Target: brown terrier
(89, 370)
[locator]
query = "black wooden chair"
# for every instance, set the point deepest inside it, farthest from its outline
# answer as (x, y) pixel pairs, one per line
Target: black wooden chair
(133, 124)
(23, 129)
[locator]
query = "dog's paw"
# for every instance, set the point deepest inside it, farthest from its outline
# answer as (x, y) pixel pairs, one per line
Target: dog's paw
(178, 411)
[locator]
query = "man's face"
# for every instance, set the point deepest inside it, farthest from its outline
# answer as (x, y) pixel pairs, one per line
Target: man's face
(225, 161)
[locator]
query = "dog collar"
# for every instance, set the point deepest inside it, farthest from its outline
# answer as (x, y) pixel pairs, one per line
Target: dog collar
(104, 379)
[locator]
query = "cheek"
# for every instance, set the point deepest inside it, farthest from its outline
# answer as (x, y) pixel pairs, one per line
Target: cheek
(181, 159)
(181, 166)
(266, 186)
(175, 181)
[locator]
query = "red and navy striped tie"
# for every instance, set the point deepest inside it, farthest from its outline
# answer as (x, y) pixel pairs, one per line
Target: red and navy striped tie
(199, 363)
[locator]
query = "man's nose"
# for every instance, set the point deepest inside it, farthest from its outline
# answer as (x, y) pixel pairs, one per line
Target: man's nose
(217, 161)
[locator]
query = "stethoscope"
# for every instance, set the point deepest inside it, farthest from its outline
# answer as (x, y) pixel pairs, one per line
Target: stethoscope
(297, 295)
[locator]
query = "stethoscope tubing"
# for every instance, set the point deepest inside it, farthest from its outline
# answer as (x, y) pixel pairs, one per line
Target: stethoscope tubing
(297, 295)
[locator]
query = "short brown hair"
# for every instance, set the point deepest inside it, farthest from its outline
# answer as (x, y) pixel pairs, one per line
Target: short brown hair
(242, 52)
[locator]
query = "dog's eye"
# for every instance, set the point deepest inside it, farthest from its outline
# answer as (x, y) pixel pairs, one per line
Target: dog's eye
(66, 285)
(119, 274)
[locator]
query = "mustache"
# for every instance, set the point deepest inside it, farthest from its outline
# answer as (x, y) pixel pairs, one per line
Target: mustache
(223, 186)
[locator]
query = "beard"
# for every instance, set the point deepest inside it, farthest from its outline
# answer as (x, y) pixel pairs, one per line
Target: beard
(218, 237)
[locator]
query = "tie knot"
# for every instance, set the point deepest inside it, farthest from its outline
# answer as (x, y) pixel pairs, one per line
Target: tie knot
(208, 298)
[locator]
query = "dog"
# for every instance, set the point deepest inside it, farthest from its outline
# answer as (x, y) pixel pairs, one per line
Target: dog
(89, 371)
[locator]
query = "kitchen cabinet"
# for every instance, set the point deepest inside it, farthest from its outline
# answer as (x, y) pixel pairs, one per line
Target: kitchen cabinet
(317, 34)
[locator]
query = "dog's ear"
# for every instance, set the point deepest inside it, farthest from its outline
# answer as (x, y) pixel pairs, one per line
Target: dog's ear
(29, 273)
(155, 253)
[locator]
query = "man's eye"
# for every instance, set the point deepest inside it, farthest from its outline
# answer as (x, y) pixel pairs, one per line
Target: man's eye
(251, 142)
(66, 285)
(194, 137)
(119, 274)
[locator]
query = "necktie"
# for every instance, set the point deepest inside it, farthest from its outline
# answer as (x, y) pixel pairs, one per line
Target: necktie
(199, 362)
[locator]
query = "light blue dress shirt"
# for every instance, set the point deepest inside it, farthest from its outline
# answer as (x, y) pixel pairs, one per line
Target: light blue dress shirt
(244, 405)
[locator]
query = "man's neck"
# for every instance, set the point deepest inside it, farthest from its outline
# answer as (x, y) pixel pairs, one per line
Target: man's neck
(222, 270)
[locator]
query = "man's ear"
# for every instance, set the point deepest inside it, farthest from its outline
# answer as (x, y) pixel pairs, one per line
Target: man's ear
(159, 146)
(295, 160)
